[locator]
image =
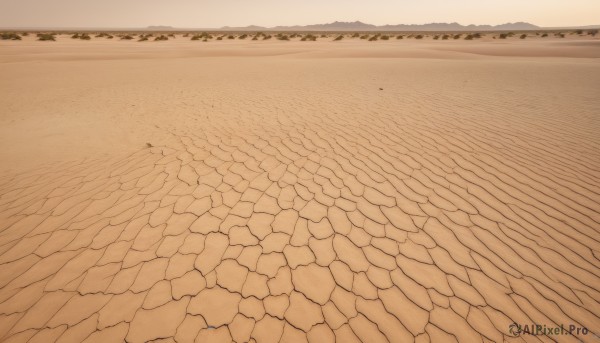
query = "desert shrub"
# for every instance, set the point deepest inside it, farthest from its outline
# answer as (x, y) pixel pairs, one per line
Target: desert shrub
(231, 37)
(340, 37)
(244, 36)
(46, 37)
(171, 35)
(457, 36)
(445, 37)
(220, 38)
(309, 37)
(75, 36)
(186, 35)
(560, 35)
(10, 36)
(254, 38)
(110, 36)
(25, 34)
(384, 37)
(323, 36)
(372, 39)
(469, 37)
(399, 37)
(544, 35)
(143, 39)
(161, 38)
(355, 35)
(267, 37)
(202, 36)
(419, 37)
(592, 32)
(523, 36)
(579, 32)
(477, 35)
(283, 37)
(364, 37)
(127, 37)
(503, 35)
(85, 36)
(436, 37)
(293, 35)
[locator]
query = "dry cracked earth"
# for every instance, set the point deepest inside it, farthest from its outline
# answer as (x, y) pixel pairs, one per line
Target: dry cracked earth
(433, 217)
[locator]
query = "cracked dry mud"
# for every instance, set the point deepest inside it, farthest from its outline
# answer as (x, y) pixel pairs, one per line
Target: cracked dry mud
(442, 209)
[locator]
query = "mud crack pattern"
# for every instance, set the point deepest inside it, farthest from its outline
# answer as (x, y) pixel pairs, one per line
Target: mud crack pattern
(371, 225)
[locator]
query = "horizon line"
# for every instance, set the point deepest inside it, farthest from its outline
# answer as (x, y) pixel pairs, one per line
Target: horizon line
(225, 27)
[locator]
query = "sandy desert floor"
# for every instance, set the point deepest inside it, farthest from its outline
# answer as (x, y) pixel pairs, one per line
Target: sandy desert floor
(298, 191)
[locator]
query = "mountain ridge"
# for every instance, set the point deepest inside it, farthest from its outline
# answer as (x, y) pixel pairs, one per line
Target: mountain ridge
(360, 26)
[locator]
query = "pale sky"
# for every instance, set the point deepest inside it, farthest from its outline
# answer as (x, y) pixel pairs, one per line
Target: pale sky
(218, 13)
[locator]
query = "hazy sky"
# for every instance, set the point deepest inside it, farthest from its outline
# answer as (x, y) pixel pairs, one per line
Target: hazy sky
(217, 13)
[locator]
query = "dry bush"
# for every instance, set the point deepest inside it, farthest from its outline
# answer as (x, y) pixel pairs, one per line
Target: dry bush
(46, 37)
(10, 36)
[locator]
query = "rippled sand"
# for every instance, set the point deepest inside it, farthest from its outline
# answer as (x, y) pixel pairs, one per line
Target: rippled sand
(291, 191)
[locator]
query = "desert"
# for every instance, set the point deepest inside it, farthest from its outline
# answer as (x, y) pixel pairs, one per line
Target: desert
(331, 189)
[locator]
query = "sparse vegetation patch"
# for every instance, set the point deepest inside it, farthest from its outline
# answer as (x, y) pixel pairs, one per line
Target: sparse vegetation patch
(10, 36)
(46, 37)
(309, 37)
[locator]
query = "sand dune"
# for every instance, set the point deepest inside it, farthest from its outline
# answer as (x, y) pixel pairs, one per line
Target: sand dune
(292, 191)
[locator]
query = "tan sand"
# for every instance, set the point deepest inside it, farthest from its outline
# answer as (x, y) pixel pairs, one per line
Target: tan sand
(292, 191)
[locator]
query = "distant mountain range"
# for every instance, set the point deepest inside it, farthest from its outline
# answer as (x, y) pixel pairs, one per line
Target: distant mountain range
(360, 26)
